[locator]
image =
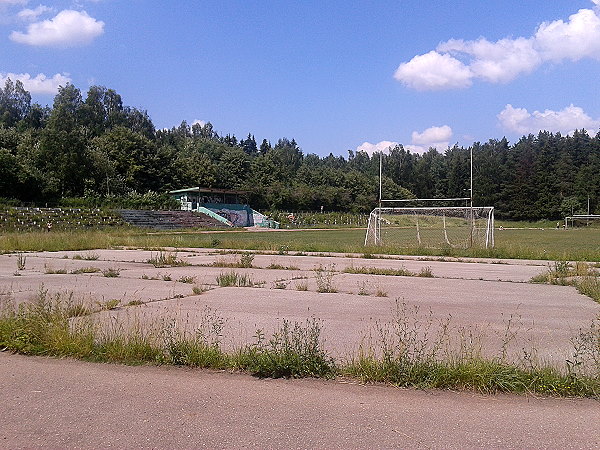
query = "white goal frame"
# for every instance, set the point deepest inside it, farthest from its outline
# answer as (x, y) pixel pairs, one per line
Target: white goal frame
(478, 235)
(580, 217)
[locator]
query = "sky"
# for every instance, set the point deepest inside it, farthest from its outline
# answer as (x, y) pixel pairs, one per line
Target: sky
(334, 75)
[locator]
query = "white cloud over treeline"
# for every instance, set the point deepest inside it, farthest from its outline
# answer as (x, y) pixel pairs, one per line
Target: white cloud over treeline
(567, 120)
(457, 63)
(433, 137)
(68, 28)
(40, 84)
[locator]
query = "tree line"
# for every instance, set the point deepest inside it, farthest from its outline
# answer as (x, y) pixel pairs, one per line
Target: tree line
(96, 148)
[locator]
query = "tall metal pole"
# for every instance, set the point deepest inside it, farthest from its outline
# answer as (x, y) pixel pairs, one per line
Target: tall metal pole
(378, 228)
(471, 196)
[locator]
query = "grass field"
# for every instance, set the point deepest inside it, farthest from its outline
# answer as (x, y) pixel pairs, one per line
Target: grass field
(520, 243)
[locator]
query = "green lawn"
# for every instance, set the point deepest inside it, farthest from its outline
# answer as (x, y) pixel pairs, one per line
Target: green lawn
(549, 243)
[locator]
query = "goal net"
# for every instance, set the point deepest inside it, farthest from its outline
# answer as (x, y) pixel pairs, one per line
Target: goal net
(433, 227)
(582, 220)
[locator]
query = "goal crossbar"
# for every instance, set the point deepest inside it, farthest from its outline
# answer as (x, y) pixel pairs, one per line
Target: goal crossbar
(452, 226)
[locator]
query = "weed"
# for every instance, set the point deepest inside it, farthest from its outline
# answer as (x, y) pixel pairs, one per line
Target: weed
(145, 277)
(108, 305)
(234, 279)
(166, 259)
(85, 270)
(402, 272)
(284, 250)
(246, 260)
(274, 266)
(425, 272)
(362, 288)
(111, 272)
(279, 284)
(197, 290)
(302, 286)
(135, 303)
(214, 243)
(167, 277)
(21, 260)
(187, 279)
(51, 271)
(381, 293)
(88, 256)
(293, 351)
(324, 277)
(77, 310)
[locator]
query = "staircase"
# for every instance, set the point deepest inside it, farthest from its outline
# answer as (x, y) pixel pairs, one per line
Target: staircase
(168, 220)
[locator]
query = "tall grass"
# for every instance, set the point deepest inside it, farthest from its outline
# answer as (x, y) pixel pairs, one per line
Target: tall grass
(411, 350)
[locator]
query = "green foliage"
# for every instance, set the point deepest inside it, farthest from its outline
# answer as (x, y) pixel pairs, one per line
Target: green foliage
(294, 351)
(401, 272)
(234, 279)
(166, 259)
(324, 277)
(111, 272)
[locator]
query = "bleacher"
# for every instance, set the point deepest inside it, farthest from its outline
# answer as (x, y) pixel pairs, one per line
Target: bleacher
(69, 219)
(169, 220)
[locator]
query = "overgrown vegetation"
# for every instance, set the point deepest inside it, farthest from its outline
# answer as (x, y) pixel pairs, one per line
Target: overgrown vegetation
(228, 279)
(165, 259)
(581, 275)
(407, 351)
(324, 277)
(400, 272)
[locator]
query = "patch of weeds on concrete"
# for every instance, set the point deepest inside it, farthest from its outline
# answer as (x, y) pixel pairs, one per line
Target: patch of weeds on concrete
(87, 256)
(402, 272)
(108, 305)
(85, 270)
(324, 277)
(187, 279)
(111, 272)
(228, 279)
(166, 259)
(425, 272)
(51, 271)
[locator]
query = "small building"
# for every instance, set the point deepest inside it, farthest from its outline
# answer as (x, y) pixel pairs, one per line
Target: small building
(224, 205)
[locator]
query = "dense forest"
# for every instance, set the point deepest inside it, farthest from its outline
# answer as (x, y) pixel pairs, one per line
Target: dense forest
(98, 150)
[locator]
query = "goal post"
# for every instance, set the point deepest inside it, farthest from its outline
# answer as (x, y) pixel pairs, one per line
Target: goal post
(582, 220)
(432, 227)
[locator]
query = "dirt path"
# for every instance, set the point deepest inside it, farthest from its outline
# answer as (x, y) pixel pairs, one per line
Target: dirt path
(52, 403)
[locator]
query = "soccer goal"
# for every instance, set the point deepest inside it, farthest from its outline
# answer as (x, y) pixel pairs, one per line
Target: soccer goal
(582, 220)
(433, 227)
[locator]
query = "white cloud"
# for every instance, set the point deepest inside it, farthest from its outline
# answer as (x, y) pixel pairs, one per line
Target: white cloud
(67, 29)
(433, 71)
(436, 137)
(32, 14)
(576, 39)
(457, 63)
(519, 120)
(382, 146)
(40, 84)
(199, 122)
(432, 134)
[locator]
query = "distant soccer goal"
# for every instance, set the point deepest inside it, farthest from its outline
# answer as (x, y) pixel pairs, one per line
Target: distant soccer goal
(582, 220)
(432, 227)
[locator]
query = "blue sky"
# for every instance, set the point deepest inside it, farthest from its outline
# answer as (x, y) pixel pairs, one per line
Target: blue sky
(334, 75)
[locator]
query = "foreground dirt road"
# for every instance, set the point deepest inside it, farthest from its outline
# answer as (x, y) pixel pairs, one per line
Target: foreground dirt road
(53, 403)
